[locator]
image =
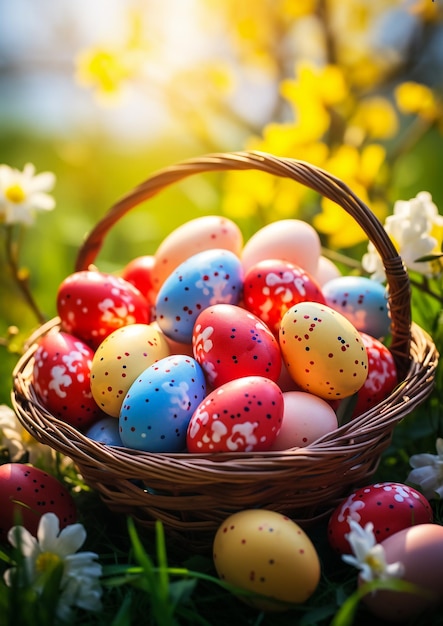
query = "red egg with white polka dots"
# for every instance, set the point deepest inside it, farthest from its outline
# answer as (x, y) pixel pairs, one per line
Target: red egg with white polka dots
(272, 286)
(61, 378)
(26, 493)
(243, 415)
(92, 304)
(382, 375)
(390, 506)
(230, 342)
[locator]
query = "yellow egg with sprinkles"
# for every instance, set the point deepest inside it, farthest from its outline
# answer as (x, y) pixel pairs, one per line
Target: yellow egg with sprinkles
(323, 351)
(268, 555)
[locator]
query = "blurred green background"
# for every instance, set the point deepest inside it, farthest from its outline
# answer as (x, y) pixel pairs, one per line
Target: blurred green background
(103, 93)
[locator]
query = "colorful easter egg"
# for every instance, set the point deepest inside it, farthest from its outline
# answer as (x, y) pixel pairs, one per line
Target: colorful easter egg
(390, 506)
(291, 240)
(27, 493)
(202, 233)
(243, 415)
(229, 342)
(61, 378)
(272, 286)
(323, 351)
(206, 278)
(306, 417)
(362, 301)
(119, 359)
(266, 553)
(92, 304)
(382, 375)
(159, 404)
(419, 552)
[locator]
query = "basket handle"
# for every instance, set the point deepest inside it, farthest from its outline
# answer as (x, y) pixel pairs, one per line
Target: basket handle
(305, 173)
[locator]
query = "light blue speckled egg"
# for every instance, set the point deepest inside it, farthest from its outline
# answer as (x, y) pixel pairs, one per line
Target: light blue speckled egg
(362, 301)
(159, 405)
(106, 431)
(210, 277)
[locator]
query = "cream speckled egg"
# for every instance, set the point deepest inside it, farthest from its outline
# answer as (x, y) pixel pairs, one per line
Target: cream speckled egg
(119, 359)
(201, 233)
(290, 240)
(323, 352)
(267, 553)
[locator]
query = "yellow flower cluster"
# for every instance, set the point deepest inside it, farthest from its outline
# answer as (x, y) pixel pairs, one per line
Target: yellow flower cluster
(340, 107)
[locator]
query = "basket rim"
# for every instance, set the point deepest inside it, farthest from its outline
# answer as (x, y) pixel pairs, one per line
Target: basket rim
(347, 439)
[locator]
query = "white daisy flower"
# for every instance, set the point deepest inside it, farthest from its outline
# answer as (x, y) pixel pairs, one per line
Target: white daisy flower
(80, 584)
(427, 472)
(369, 556)
(416, 229)
(18, 441)
(24, 193)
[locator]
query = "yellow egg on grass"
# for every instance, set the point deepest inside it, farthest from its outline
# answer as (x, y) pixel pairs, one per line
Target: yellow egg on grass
(266, 553)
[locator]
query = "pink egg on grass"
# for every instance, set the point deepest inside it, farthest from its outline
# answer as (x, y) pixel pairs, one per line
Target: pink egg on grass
(306, 417)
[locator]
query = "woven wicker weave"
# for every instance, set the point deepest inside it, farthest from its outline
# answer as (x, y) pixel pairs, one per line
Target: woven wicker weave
(192, 493)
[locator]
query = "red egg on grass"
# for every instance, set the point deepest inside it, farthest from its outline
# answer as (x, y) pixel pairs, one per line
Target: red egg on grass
(390, 506)
(27, 493)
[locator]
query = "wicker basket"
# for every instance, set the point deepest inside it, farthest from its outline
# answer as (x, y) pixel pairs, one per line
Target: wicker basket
(192, 493)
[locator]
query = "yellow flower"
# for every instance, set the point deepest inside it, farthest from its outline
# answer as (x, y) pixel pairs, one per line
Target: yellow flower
(106, 70)
(358, 170)
(416, 98)
(325, 84)
(376, 117)
(298, 8)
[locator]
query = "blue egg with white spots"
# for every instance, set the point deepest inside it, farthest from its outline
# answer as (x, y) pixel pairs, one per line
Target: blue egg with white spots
(158, 407)
(105, 431)
(363, 301)
(210, 277)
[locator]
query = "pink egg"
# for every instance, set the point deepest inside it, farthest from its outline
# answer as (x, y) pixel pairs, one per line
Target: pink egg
(196, 235)
(290, 240)
(305, 418)
(420, 551)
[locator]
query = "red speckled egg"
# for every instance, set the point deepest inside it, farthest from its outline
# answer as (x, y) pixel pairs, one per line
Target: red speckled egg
(382, 375)
(389, 506)
(229, 342)
(272, 286)
(138, 272)
(27, 493)
(243, 415)
(92, 304)
(61, 377)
